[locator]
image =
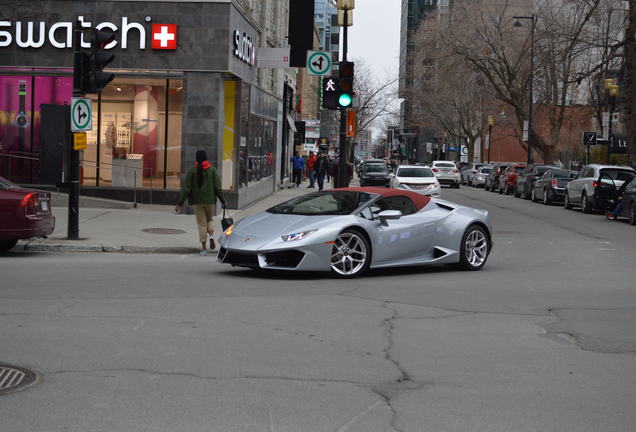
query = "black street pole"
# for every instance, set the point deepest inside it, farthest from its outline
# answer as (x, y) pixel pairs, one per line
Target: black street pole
(530, 92)
(73, 177)
(612, 102)
(343, 178)
(489, 140)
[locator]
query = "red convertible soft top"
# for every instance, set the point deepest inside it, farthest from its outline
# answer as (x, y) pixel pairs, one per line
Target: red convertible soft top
(419, 200)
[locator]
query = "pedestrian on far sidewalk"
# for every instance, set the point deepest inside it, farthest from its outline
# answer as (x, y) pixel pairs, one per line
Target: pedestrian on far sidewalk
(310, 169)
(298, 165)
(321, 168)
(201, 188)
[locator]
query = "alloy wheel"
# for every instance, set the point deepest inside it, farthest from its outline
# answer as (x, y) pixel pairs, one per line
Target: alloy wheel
(476, 248)
(349, 254)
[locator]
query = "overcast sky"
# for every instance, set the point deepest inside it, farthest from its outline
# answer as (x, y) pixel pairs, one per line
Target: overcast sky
(375, 35)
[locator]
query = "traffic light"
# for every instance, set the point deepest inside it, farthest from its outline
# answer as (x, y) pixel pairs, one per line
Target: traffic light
(345, 84)
(330, 93)
(94, 79)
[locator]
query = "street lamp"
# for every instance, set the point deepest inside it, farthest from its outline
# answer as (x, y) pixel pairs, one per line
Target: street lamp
(491, 121)
(612, 88)
(530, 92)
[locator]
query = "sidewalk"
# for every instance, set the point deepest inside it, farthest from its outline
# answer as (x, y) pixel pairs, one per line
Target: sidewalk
(126, 230)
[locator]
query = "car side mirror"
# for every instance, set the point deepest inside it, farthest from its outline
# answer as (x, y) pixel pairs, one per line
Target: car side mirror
(387, 215)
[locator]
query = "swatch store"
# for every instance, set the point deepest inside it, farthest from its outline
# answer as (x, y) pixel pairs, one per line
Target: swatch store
(184, 81)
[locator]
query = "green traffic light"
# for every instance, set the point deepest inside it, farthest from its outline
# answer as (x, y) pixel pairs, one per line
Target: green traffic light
(344, 100)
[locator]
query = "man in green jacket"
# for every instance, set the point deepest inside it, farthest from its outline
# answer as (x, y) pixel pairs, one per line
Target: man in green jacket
(201, 188)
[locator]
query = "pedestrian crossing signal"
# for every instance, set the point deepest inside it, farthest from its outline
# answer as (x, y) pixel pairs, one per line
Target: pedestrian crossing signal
(330, 93)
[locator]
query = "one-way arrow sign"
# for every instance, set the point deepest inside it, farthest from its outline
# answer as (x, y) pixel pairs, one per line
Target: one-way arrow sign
(589, 138)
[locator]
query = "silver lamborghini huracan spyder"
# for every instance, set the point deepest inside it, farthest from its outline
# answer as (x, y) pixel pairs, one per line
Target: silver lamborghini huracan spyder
(346, 231)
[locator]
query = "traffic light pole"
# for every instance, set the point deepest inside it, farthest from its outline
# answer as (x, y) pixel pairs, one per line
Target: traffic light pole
(73, 168)
(343, 178)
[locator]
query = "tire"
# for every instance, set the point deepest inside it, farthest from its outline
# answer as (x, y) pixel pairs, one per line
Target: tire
(527, 196)
(5, 245)
(517, 193)
(533, 196)
(586, 205)
(351, 254)
(632, 214)
(547, 197)
(457, 186)
(566, 202)
(508, 190)
(474, 248)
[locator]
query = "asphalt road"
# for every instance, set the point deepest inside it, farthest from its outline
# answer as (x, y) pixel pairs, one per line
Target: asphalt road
(542, 339)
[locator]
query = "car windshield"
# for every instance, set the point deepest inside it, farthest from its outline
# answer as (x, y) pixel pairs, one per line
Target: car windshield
(519, 169)
(6, 184)
(618, 174)
(375, 168)
(445, 165)
(322, 203)
(561, 174)
(415, 172)
(542, 170)
(485, 170)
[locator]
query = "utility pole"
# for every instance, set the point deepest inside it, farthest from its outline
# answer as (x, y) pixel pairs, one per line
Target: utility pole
(73, 169)
(346, 7)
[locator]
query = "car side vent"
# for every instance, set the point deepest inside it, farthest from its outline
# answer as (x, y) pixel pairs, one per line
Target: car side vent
(438, 253)
(445, 207)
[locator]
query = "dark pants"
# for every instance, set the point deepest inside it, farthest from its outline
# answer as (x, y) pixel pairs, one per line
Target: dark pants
(320, 178)
(312, 178)
(298, 176)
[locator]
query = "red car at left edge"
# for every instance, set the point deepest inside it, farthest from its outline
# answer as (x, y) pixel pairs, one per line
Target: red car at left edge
(24, 214)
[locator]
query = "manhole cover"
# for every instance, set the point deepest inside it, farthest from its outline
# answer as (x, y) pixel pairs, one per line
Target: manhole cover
(13, 378)
(163, 231)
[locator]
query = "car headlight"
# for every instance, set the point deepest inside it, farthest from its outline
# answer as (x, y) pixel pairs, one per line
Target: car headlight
(401, 186)
(430, 186)
(298, 235)
(229, 230)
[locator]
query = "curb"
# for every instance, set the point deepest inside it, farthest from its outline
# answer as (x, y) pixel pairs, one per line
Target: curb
(57, 247)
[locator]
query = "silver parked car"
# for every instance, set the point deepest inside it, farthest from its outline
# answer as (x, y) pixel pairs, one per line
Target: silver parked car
(468, 171)
(479, 178)
(582, 191)
(346, 231)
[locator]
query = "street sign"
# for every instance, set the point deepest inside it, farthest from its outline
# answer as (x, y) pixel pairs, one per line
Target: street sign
(79, 141)
(525, 130)
(351, 124)
(81, 115)
(589, 138)
(318, 62)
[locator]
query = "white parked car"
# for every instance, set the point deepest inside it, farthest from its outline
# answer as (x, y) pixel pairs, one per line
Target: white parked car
(418, 179)
(479, 178)
(447, 173)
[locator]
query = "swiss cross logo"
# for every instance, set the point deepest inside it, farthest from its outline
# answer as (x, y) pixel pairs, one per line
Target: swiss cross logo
(164, 36)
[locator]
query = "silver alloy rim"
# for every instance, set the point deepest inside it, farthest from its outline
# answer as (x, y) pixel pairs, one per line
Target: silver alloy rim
(476, 248)
(349, 254)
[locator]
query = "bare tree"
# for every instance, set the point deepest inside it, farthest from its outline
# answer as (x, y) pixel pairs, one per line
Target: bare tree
(377, 98)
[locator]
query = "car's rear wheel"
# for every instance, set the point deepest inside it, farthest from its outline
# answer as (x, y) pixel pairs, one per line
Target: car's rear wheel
(351, 254)
(632, 214)
(586, 206)
(475, 248)
(5, 245)
(566, 202)
(547, 197)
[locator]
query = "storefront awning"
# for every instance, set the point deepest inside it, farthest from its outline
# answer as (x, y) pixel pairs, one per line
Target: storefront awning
(290, 121)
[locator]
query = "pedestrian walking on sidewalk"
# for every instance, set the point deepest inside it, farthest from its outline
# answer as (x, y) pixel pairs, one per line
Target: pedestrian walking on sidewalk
(201, 188)
(310, 169)
(321, 168)
(298, 165)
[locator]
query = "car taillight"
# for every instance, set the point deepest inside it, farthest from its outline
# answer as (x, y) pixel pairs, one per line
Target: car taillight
(595, 184)
(455, 170)
(555, 182)
(434, 170)
(30, 203)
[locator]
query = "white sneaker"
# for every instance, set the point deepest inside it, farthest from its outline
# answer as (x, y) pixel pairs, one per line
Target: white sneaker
(203, 253)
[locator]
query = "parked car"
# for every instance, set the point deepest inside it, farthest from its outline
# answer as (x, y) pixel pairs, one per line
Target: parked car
(468, 171)
(375, 174)
(479, 179)
(582, 191)
(508, 180)
(492, 180)
(25, 213)
(416, 179)
(446, 173)
(360, 166)
(527, 178)
(550, 187)
(608, 196)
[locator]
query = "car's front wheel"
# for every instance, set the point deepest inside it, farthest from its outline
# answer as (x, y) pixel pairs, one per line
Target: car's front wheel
(475, 248)
(5, 245)
(351, 254)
